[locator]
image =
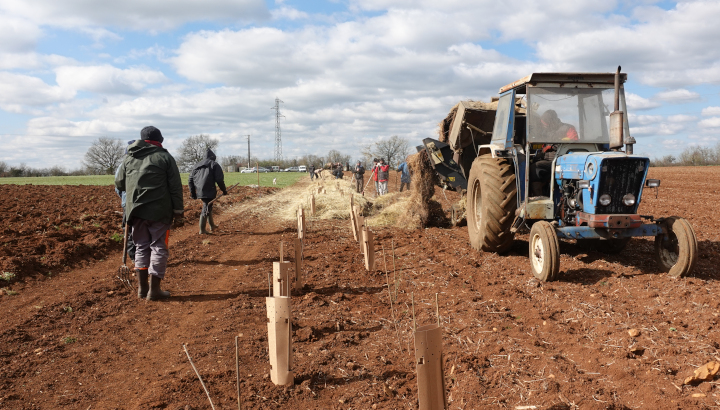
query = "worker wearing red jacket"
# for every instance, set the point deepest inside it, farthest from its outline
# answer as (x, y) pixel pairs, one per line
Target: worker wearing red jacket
(383, 173)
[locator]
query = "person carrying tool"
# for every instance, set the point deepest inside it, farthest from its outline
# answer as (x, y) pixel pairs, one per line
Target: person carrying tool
(374, 176)
(383, 173)
(404, 170)
(359, 177)
(130, 248)
(154, 204)
(201, 182)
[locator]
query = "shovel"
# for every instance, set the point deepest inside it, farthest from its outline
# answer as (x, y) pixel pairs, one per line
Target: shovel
(218, 197)
(124, 272)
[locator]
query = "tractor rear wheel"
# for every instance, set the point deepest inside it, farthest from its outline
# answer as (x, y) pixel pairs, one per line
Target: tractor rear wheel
(491, 204)
(676, 249)
(544, 251)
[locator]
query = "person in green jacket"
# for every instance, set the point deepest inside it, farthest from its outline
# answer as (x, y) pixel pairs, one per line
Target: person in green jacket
(154, 203)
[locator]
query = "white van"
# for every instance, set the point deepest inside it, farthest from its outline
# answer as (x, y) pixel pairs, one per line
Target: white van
(302, 168)
(274, 168)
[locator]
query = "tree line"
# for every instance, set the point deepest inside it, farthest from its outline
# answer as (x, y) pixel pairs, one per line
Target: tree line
(105, 154)
(691, 156)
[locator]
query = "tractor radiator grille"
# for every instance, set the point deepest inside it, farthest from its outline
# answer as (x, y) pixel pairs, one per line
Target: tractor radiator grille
(618, 177)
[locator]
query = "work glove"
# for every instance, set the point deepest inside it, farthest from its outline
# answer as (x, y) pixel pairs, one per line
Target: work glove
(178, 219)
(224, 192)
(193, 195)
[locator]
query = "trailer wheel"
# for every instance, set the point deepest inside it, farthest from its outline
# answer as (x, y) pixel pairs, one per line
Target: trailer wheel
(544, 251)
(491, 204)
(676, 249)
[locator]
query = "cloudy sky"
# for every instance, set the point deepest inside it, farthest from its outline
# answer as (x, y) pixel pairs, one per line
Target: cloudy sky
(350, 72)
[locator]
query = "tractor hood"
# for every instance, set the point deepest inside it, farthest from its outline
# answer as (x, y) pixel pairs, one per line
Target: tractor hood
(610, 174)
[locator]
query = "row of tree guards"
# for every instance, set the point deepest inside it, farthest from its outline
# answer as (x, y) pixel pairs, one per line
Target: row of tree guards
(428, 338)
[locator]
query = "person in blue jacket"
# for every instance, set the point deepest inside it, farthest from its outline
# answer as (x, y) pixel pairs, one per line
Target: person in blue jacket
(201, 182)
(404, 170)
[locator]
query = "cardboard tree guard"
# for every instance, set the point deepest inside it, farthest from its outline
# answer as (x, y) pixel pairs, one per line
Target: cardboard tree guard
(280, 340)
(429, 368)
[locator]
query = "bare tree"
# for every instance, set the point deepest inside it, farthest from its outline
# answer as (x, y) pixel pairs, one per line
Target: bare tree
(193, 150)
(3, 168)
(336, 156)
(104, 155)
(393, 150)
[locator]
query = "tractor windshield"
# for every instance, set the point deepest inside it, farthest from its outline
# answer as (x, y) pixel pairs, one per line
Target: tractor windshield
(567, 115)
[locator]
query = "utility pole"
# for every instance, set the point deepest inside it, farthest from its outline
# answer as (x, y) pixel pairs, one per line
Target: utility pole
(278, 140)
(248, 138)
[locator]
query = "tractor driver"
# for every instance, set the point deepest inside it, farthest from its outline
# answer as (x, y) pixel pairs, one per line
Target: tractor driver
(552, 129)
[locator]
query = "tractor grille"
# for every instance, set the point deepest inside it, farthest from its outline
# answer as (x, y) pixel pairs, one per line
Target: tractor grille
(618, 177)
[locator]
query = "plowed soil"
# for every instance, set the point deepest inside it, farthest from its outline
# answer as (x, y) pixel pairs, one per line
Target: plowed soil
(78, 340)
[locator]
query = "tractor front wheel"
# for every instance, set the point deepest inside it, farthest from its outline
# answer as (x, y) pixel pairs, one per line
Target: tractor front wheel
(676, 249)
(491, 204)
(544, 251)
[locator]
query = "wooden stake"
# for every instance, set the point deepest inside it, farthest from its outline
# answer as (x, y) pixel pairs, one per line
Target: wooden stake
(281, 279)
(237, 371)
(353, 223)
(298, 264)
(282, 253)
(198, 375)
(312, 205)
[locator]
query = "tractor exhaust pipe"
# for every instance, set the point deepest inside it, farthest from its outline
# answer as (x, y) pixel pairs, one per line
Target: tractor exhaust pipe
(616, 118)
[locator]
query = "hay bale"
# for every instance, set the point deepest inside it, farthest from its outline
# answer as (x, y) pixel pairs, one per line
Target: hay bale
(422, 190)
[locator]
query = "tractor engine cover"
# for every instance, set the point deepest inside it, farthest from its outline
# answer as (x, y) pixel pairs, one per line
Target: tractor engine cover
(607, 182)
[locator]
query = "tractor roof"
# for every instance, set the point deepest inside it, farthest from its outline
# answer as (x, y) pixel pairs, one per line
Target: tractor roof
(561, 79)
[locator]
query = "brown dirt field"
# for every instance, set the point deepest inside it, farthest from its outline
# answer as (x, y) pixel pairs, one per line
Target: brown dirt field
(77, 340)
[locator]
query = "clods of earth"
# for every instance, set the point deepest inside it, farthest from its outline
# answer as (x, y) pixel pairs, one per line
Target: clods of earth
(612, 332)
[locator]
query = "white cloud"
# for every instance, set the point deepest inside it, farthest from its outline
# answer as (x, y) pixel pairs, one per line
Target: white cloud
(637, 103)
(142, 15)
(667, 48)
(708, 111)
(679, 95)
(288, 13)
(17, 35)
(713, 122)
(24, 94)
(107, 79)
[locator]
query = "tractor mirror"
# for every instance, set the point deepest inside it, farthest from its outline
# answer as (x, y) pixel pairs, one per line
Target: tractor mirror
(616, 130)
(652, 183)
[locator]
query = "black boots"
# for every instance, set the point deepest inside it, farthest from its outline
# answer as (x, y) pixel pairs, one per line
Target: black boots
(155, 292)
(143, 286)
(213, 227)
(203, 222)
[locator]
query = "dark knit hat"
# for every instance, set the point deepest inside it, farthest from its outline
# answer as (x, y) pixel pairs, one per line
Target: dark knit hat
(151, 133)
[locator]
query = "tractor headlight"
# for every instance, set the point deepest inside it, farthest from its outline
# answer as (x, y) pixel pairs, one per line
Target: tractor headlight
(652, 183)
(604, 199)
(629, 200)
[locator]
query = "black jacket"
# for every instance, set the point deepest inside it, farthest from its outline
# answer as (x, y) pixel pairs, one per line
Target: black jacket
(204, 176)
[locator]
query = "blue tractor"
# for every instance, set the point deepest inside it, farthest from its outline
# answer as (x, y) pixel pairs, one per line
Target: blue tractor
(559, 162)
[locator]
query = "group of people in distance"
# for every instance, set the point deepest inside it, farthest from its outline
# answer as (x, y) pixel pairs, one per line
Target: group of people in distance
(148, 182)
(380, 175)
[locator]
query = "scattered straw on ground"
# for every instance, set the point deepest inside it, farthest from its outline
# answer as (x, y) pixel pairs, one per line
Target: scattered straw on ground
(285, 203)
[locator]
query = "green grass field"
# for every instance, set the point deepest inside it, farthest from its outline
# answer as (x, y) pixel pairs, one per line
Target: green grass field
(283, 179)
